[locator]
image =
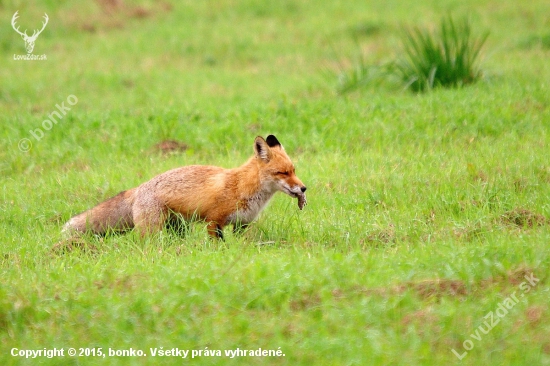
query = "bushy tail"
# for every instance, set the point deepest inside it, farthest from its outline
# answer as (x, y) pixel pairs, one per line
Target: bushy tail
(114, 214)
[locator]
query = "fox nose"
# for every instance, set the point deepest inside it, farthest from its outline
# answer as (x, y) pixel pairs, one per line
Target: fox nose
(303, 189)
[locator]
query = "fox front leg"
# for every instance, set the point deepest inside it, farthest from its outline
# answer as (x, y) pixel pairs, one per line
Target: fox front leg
(215, 230)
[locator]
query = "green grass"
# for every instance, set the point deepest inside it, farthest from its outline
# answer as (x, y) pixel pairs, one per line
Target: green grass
(424, 212)
(448, 59)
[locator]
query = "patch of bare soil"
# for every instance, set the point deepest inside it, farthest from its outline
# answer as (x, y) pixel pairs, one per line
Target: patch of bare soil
(523, 218)
(170, 147)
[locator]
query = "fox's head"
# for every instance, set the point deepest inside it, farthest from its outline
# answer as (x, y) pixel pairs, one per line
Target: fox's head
(277, 169)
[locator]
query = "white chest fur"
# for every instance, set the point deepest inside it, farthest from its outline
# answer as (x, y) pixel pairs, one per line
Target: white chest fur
(252, 208)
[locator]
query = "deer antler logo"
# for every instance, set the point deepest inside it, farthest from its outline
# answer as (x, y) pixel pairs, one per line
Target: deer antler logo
(29, 40)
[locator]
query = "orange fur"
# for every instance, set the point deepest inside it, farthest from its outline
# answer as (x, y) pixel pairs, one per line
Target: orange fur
(217, 195)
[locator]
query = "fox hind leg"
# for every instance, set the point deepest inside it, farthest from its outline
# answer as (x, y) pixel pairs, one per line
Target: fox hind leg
(149, 217)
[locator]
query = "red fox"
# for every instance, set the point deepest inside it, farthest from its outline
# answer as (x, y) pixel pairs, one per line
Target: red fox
(216, 195)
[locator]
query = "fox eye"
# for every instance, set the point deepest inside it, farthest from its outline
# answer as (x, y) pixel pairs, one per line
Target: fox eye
(282, 173)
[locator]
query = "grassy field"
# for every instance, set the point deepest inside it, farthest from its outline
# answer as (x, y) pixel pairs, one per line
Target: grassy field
(427, 213)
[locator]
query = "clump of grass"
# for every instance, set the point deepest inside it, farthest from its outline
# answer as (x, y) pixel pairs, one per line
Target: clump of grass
(447, 58)
(361, 75)
(534, 41)
(444, 59)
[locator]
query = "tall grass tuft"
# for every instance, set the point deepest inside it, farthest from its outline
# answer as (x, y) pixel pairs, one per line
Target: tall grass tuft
(444, 59)
(361, 75)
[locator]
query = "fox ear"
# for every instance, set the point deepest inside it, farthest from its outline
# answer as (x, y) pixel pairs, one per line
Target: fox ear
(262, 150)
(272, 141)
